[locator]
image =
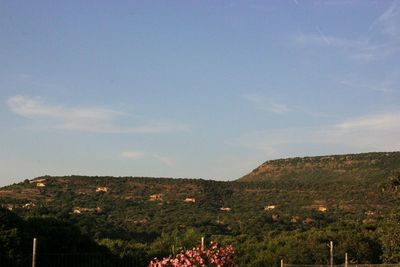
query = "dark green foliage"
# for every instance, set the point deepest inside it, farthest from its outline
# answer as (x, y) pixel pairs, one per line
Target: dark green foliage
(55, 237)
(13, 238)
(389, 236)
(310, 247)
(360, 193)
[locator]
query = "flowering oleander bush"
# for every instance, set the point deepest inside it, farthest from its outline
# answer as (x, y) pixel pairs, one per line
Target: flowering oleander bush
(214, 255)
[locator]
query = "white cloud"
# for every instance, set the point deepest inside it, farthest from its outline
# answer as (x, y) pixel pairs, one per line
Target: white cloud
(382, 40)
(85, 119)
(269, 105)
(132, 154)
(378, 122)
(36, 108)
(170, 162)
(376, 132)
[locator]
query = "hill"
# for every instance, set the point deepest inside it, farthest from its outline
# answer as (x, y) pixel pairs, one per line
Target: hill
(299, 195)
(327, 188)
(366, 167)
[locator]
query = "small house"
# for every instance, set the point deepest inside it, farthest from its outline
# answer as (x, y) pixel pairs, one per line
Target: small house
(101, 189)
(270, 207)
(29, 205)
(37, 181)
(76, 211)
(322, 209)
(40, 185)
(156, 197)
(225, 209)
(190, 200)
(79, 210)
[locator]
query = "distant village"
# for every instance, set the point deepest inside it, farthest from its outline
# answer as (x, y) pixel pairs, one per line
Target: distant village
(159, 197)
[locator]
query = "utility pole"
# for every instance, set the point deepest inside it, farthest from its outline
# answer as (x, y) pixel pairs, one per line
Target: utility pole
(34, 252)
(331, 252)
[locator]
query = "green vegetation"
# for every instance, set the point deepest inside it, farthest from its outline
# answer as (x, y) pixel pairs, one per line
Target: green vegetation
(285, 209)
(56, 237)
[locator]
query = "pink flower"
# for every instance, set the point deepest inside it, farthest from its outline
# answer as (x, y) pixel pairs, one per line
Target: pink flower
(214, 256)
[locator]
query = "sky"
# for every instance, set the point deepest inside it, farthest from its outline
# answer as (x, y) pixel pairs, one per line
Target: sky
(193, 89)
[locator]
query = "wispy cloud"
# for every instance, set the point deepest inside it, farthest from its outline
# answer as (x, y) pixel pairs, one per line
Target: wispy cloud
(337, 3)
(389, 21)
(170, 162)
(386, 86)
(376, 122)
(375, 132)
(359, 49)
(364, 50)
(262, 103)
(320, 38)
(382, 40)
(85, 119)
(132, 154)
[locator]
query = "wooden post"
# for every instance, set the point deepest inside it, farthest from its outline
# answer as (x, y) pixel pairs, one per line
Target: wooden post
(281, 263)
(202, 243)
(345, 260)
(34, 250)
(331, 252)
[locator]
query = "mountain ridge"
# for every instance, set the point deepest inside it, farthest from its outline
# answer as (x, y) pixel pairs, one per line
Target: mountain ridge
(337, 167)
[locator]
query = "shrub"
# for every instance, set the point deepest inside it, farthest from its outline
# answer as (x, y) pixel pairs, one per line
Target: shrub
(214, 255)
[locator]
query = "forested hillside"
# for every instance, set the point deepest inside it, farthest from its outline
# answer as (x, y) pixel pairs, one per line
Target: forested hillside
(266, 215)
(365, 167)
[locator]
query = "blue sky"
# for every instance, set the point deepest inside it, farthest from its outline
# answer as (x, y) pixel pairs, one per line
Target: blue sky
(199, 89)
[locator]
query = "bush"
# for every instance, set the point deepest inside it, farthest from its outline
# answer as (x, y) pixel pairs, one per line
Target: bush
(212, 256)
